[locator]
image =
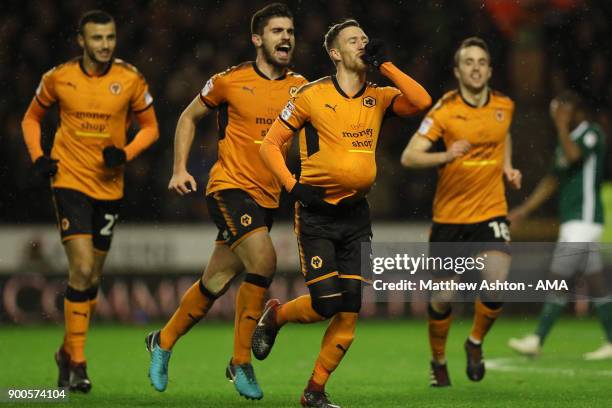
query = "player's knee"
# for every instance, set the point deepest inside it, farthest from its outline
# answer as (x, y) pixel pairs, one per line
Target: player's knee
(83, 273)
(351, 302)
(491, 297)
(493, 305)
(218, 279)
(327, 306)
(351, 297)
(327, 296)
(206, 291)
(263, 263)
(439, 310)
(94, 280)
(217, 286)
(267, 265)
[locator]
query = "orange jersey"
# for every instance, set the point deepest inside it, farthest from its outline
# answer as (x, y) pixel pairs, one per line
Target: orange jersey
(93, 115)
(470, 189)
(248, 103)
(337, 148)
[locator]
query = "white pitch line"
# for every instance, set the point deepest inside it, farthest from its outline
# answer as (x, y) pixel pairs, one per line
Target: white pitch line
(507, 365)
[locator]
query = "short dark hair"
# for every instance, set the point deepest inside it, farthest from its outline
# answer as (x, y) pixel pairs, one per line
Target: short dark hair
(472, 42)
(261, 17)
(335, 29)
(96, 17)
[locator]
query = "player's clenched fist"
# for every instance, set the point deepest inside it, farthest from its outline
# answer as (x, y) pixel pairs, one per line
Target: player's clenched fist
(45, 166)
(182, 183)
(514, 177)
(457, 149)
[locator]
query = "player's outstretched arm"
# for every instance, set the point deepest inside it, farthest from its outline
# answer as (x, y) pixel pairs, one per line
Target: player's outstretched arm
(146, 136)
(414, 97)
(182, 182)
(416, 155)
(271, 152)
(543, 191)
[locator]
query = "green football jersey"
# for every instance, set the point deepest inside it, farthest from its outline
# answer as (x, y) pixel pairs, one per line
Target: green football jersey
(580, 182)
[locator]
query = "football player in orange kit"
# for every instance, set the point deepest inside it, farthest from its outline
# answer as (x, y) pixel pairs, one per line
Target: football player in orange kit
(241, 193)
(470, 203)
(96, 93)
(341, 116)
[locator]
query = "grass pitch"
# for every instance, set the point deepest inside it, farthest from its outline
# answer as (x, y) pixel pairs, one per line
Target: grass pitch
(387, 366)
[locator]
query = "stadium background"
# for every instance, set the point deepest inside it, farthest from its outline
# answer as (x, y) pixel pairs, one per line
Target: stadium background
(538, 48)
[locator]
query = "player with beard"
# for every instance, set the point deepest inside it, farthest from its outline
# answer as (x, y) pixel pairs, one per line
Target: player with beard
(95, 94)
(341, 115)
(241, 194)
(473, 123)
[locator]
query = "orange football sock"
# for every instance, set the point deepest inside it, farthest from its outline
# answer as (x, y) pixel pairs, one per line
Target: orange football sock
(484, 317)
(76, 318)
(336, 342)
(92, 293)
(249, 306)
(438, 328)
(92, 305)
(319, 377)
(194, 305)
(298, 310)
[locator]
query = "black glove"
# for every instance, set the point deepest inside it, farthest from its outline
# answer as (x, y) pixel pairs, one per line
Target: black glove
(375, 53)
(307, 195)
(45, 166)
(113, 156)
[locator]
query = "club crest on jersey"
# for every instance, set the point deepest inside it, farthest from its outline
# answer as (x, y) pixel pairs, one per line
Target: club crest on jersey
(65, 224)
(288, 111)
(499, 115)
(246, 220)
(115, 88)
(293, 90)
(316, 262)
(369, 101)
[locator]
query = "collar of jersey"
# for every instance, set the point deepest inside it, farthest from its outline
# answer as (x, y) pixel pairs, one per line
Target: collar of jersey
(108, 68)
(472, 105)
(264, 76)
(341, 92)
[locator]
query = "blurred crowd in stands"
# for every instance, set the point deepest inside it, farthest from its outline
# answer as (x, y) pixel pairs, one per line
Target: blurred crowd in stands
(538, 48)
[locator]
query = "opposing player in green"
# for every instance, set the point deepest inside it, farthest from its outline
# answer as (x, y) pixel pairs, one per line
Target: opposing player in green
(577, 174)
